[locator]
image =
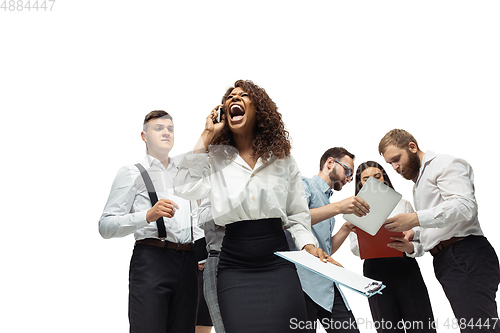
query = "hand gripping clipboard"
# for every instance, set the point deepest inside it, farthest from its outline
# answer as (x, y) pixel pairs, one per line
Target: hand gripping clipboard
(382, 200)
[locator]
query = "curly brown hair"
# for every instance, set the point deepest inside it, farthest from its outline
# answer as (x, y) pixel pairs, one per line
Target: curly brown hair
(271, 137)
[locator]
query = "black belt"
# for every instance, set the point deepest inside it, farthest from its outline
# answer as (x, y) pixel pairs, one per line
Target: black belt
(169, 245)
(436, 249)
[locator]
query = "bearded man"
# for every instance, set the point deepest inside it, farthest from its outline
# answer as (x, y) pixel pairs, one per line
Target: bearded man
(324, 300)
(465, 263)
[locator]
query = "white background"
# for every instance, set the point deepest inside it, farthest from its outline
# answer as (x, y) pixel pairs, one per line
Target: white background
(76, 82)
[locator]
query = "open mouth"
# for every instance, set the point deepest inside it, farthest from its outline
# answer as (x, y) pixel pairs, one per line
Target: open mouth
(237, 112)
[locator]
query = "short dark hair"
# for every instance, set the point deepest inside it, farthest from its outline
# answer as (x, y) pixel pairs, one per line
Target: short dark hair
(336, 153)
(154, 115)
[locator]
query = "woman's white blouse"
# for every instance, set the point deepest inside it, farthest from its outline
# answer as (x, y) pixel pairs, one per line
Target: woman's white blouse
(238, 193)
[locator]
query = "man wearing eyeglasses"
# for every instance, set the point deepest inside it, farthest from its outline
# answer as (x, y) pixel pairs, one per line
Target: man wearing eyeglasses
(325, 302)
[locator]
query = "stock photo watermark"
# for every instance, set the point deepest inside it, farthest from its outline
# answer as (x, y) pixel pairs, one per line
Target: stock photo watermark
(363, 323)
(27, 5)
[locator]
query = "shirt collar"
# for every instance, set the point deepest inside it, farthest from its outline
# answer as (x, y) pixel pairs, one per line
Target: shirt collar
(323, 185)
(258, 165)
(149, 161)
(428, 157)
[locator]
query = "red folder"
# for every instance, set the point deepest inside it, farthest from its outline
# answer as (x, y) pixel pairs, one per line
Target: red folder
(376, 246)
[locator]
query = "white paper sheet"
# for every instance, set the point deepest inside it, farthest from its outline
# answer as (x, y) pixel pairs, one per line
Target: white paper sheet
(382, 200)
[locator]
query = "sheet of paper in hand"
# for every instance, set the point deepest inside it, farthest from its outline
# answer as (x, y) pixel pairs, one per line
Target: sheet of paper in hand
(382, 200)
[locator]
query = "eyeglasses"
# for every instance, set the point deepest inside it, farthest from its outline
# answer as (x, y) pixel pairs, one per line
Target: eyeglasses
(348, 171)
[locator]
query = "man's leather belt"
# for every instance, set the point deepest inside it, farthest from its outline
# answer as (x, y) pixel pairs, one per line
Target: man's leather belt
(169, 245)
(435, 250)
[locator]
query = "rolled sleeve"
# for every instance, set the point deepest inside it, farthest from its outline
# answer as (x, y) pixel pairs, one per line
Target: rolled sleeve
(354, 245)
(117, 219)
(418, 250)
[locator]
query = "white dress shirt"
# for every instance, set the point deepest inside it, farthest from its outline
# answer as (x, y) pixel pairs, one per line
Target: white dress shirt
(444, 199)
(128, 203)
(238, 193)
(214, 234)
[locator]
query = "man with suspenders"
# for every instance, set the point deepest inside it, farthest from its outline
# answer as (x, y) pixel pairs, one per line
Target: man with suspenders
(163, 287)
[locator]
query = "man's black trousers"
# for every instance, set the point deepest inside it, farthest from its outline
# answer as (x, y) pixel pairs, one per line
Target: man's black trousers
(163, 290)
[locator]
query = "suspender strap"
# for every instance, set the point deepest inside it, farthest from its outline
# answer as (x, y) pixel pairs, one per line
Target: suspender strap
(191, 221)
(154, 199)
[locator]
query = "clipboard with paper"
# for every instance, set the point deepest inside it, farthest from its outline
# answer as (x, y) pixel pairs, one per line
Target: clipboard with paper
(359, 283)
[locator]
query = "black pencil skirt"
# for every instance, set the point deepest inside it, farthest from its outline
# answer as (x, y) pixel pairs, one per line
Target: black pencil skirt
(257, 290)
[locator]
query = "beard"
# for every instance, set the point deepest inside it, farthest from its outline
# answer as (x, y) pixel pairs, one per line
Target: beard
(413, 167)
(336, 181)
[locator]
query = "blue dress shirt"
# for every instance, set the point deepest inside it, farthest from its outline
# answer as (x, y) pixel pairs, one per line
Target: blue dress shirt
(318, 288)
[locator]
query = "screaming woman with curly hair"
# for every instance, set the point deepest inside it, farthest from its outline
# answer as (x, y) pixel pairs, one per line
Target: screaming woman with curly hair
(270, 135)
(243, 165)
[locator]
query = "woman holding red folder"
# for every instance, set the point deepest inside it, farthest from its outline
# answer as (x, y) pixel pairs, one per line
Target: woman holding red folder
(405, 300)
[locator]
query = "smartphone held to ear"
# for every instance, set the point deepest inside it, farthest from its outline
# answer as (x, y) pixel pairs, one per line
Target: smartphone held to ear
(220, 111)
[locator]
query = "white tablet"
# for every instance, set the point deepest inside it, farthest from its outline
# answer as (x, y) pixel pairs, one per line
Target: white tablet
(382, 200)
